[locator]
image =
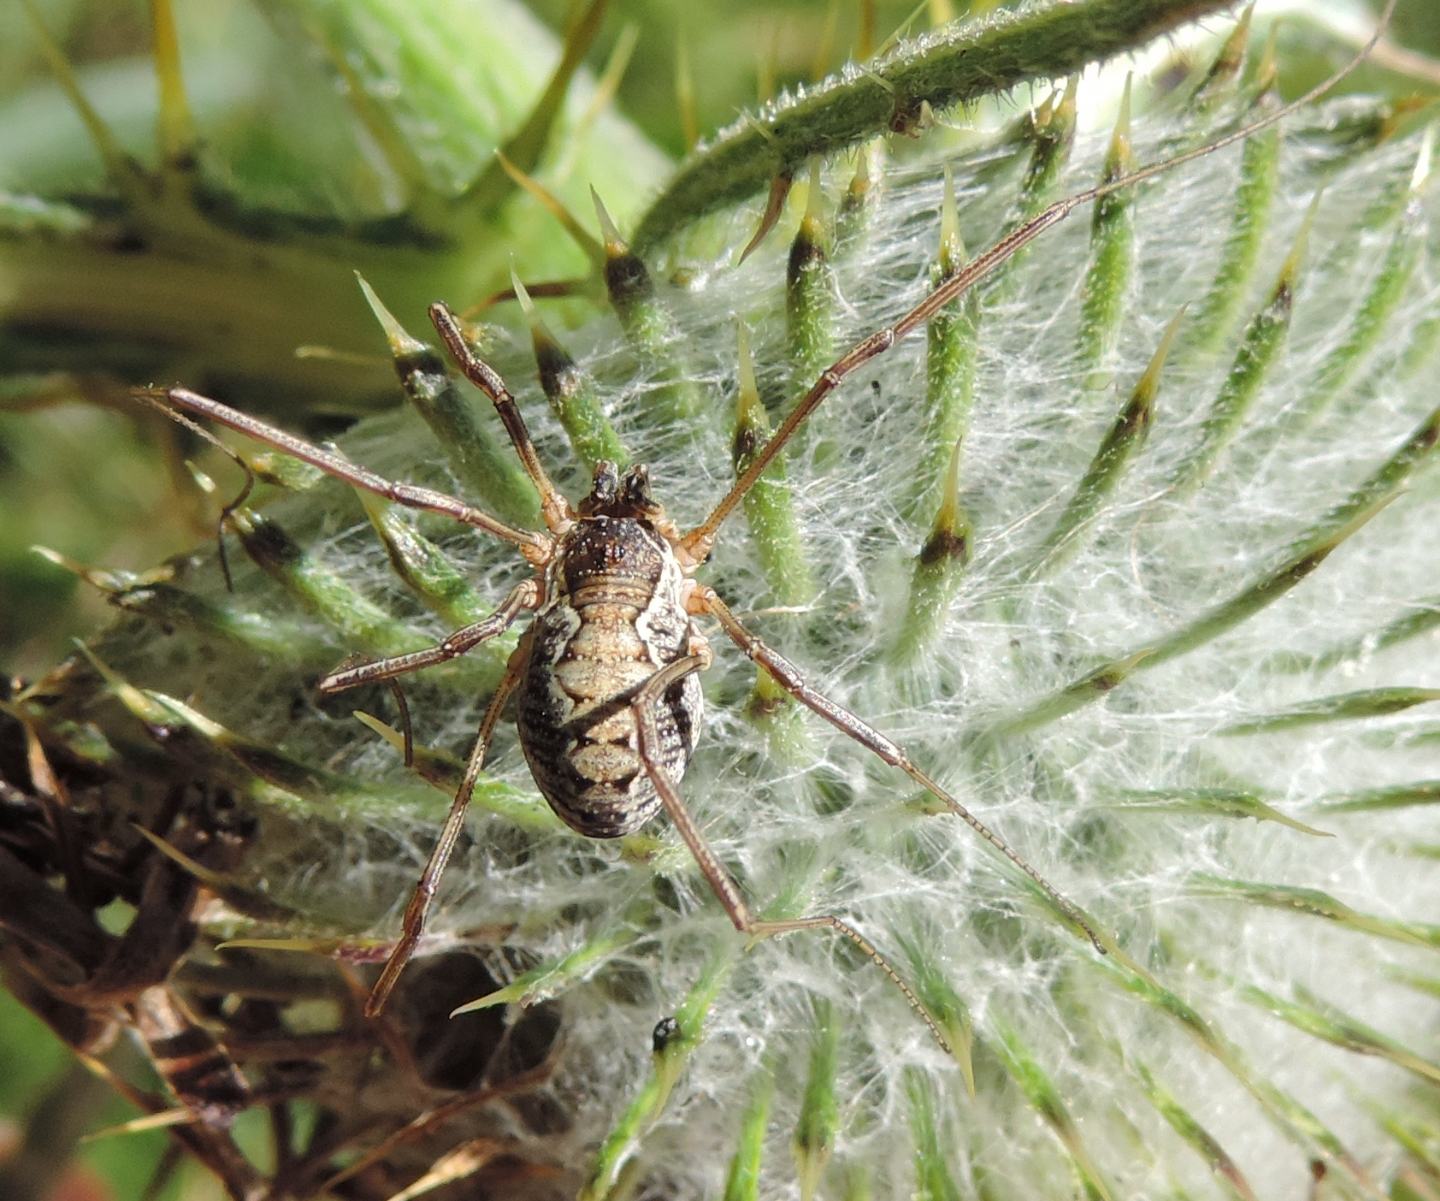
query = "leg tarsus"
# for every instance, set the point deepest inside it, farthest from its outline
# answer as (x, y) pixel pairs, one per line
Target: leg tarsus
(523, 596)
(418, 907)
(785, 673)
(721, 882)
(553, 505)
(536, 547)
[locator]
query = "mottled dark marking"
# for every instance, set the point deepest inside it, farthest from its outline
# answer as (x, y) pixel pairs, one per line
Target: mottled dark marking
(615, 617)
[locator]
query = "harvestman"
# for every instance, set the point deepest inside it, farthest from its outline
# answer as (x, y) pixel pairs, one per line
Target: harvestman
(608, 700)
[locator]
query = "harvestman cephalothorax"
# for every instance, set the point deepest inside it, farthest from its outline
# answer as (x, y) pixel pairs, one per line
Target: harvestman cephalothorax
(608, 701)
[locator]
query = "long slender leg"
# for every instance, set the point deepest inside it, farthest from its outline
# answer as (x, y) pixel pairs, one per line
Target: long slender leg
(240, 497)
(522, 596)
(420, 900)
(726, 890)
(553, 505)
(699, 540)
(788, 676)
(536, 547)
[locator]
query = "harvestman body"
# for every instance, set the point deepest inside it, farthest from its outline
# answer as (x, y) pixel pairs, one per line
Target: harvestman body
(608, 699)
(617, 615)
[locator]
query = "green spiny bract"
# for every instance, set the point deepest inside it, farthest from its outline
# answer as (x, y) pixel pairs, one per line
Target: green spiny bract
(1095, 707)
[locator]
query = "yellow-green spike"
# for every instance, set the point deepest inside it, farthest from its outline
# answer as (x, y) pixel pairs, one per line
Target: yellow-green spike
(402, 343)
(139, 703)
(570, 390)
(950, 357)
(459, 1163)
(551, 979)
(952, 246)
(647, 323)
(809, 290)
(614, 244)
(1313, 1016)
(1223, 71)
(525, 147)
(1126, 436)
(938, 569)
(552, 204)
(768, 506)
(477, 457)
(1188, 1128)
(1386, 291)
(606, 88)
(1231, 803)
(123, 171)
(105, 581)
(333, 354)
(163, 1120)
(1048, 1100)
(765, 68)
(950, 534)
(439, 584)
(1258, 354)
(944, 1004)
(747, 391)
(812, 222)
(1345, 706)
(442, 771)
(858, 202)
(1268, 70)
(175, 125)
(538, 328)
(1112, 257)
(152, 595)
(229, 888)
(1218, 311)
(865, 37)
